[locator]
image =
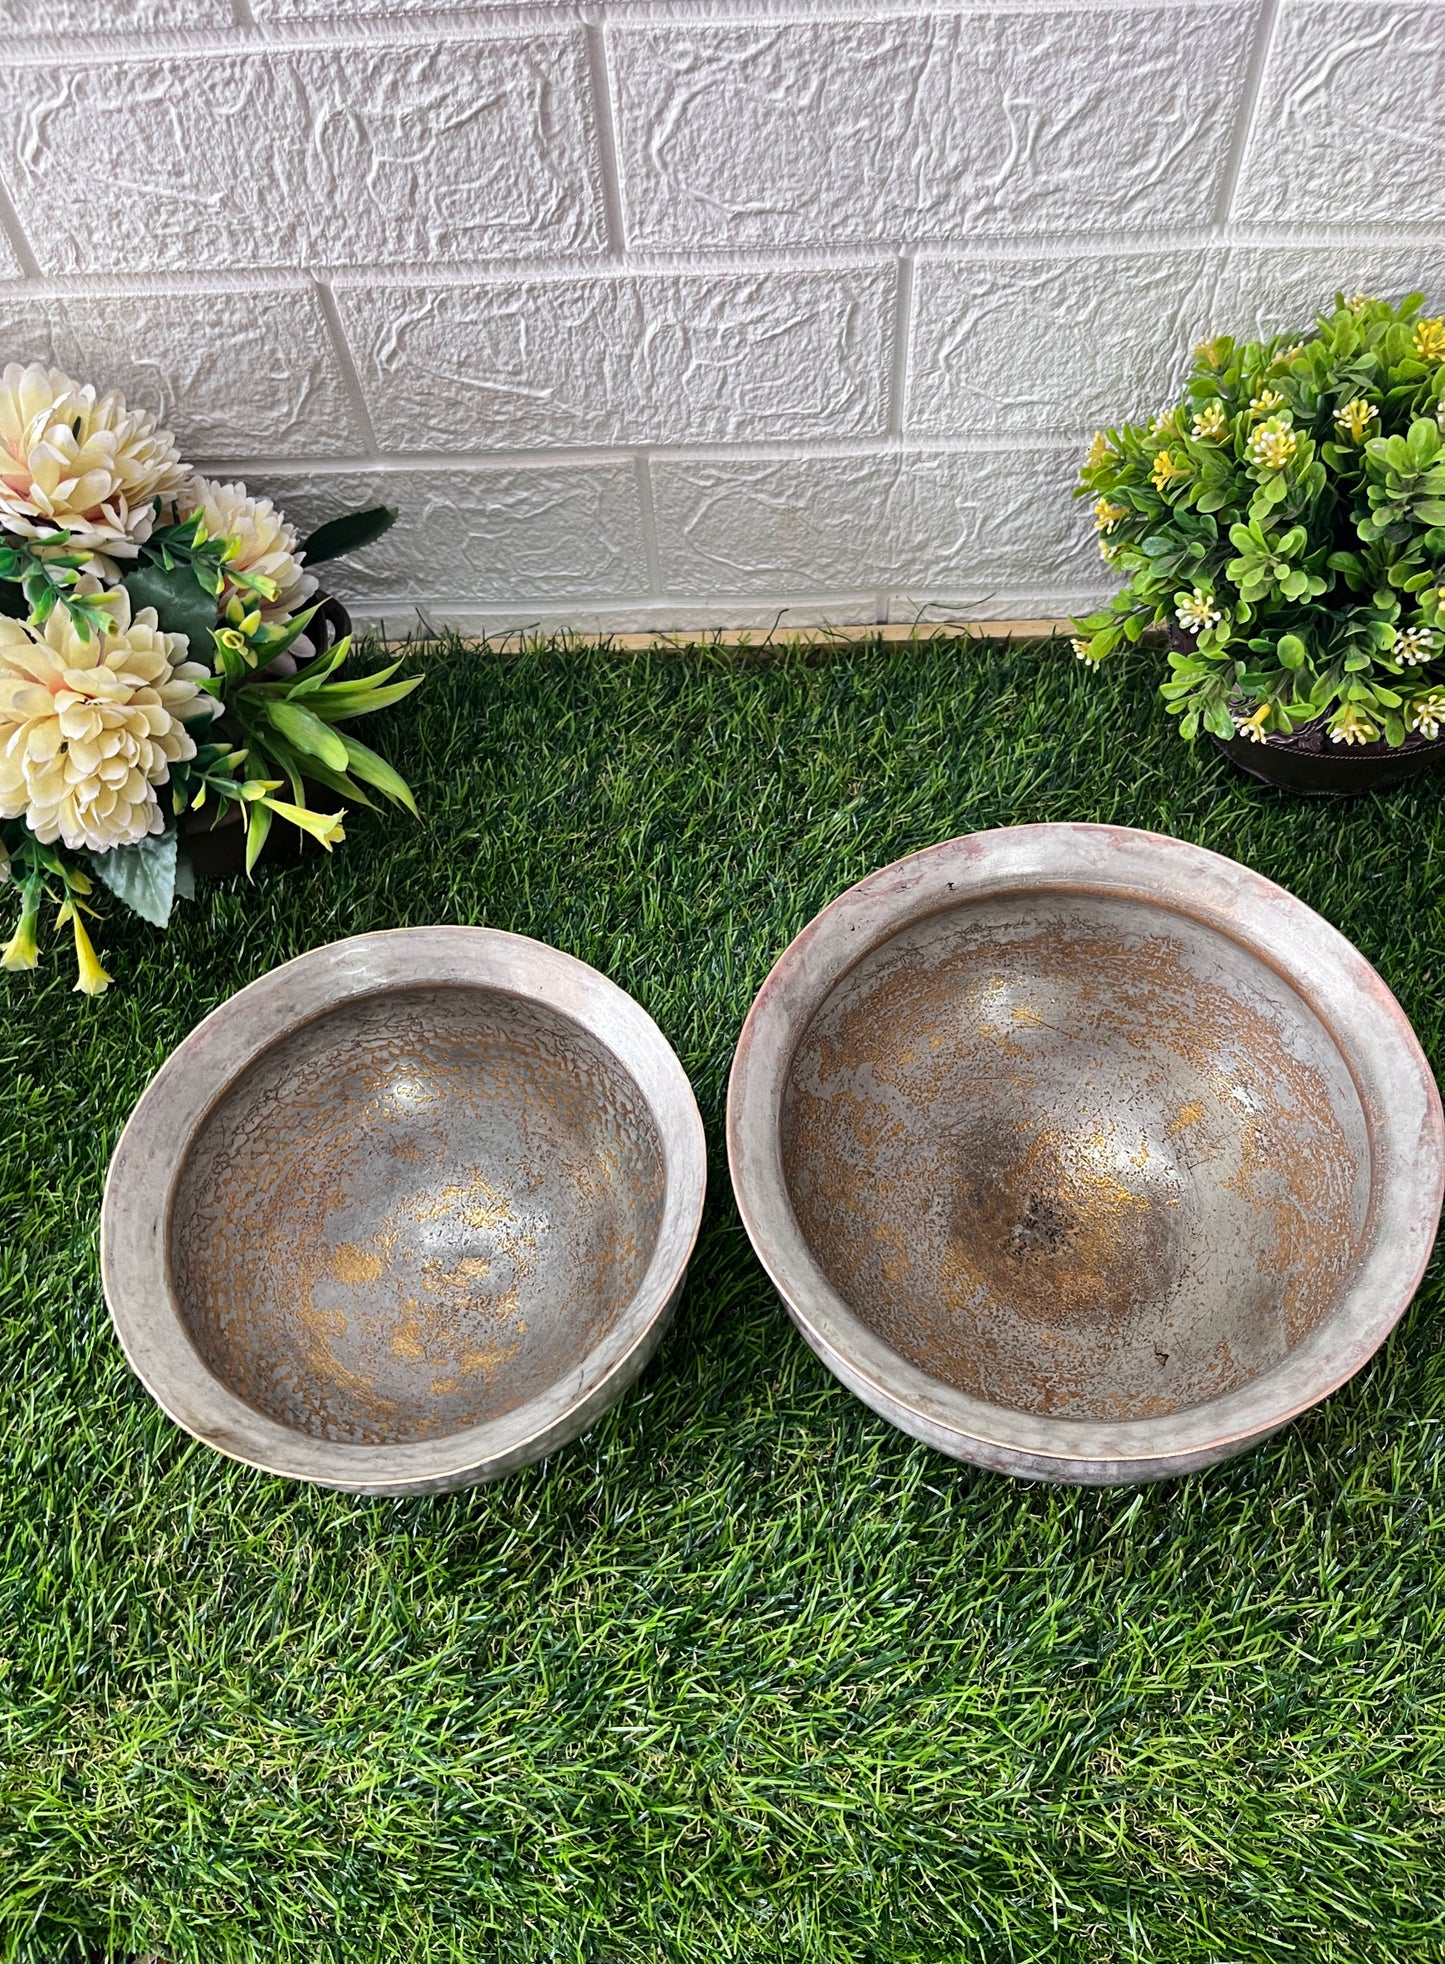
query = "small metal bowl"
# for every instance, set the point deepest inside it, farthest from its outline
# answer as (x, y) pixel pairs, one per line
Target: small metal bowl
(1082, 1153)
(406, 1213)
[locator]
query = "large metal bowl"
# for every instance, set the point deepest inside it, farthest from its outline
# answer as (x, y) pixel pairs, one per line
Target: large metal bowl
(406, 1213)
(1083, 1153)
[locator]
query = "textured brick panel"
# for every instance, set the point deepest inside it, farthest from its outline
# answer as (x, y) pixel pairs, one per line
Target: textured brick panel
(232, 374)
(493, 538)
(112, 16)
(371, 154)
(939, 127)
(1264, 291)
(1347, 128)
(667, 359)
(1052, 345)
(957, 525)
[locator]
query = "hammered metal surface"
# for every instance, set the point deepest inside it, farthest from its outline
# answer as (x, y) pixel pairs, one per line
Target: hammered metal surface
(414, 1213)
(1076, 1157)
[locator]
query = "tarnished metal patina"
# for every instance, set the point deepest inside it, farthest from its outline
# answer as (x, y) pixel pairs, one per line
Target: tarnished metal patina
(406, 1213)
(1082, 1153)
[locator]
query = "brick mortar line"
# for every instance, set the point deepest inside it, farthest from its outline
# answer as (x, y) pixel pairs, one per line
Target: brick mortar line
(902, 351)
(1261, 42)
(609, 168)
(15, 232)
(745, 451)
(651, 543)
(522, 22)
(715, 262)
(347, 373)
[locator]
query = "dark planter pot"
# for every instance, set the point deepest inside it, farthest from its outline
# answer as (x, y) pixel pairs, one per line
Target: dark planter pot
(217, 846)
(1309, 763)
(215, 843)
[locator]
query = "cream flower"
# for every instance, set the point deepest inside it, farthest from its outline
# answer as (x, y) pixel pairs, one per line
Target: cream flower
(1210, 423)
(72, 463)
(1356, 417)
(1197, 611)
(1266, 402)
(1350, 724)
(88, 729)
(1273, 444)
(1414, 645)
(1358, 302)
(1252, 727)
(267, 543)
(1099, 451)
(1427, 715)
(1165, 470)
(1083, 650)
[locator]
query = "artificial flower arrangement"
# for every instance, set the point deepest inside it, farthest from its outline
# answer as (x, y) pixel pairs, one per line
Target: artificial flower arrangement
(154, 657)
(1286, 521)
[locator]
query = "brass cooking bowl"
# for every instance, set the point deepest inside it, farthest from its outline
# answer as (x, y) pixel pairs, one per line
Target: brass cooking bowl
(406, 1213)
(1083, 1153)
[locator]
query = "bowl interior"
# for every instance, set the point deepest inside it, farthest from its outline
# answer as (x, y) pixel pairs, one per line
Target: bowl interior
(414, 1213)
(1075, 1155)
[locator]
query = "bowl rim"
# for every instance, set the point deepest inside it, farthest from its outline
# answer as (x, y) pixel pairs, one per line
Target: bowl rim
(1371, 1032)
(151, 1152)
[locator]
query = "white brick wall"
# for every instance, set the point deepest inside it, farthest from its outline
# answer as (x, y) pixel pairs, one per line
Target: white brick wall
(696, 312)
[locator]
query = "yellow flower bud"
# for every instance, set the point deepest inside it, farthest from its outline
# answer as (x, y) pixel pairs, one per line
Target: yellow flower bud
(22, 950)
(91, 978)
(1273, 444)
(325, 827)
(1430, 339)
(1106, 516)
(1356, 417)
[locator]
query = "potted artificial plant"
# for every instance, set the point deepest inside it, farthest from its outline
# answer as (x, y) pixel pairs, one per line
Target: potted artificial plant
(156, 668)
(1285, 523)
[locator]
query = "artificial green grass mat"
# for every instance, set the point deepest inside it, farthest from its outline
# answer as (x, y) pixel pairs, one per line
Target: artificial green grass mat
(744, 1674)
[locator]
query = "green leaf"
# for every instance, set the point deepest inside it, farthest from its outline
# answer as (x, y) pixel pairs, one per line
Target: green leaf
(348, 534)
(1291, 651)
(270, 752)
(339, 700)
(143, 876)
(182, 605)
(374, 770)
(339, 782)
(258, 825)
(308, 733)
(310, 678)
